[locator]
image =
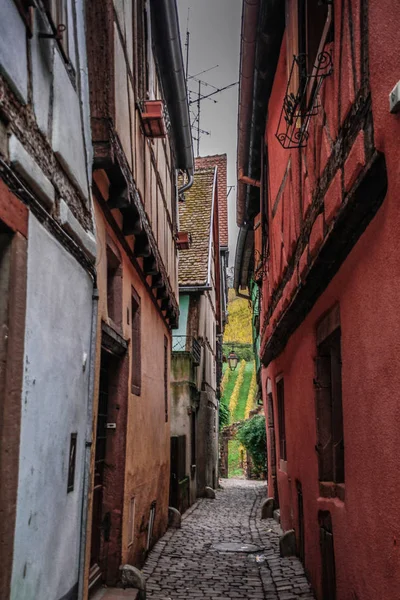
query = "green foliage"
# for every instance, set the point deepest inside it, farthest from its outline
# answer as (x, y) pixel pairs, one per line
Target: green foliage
(240, 409)
(253, 436)
(228, 387)
(234, 468)
(223, 415)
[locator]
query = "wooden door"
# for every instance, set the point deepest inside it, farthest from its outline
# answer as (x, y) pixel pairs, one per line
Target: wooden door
(272, 448)
(100, 457)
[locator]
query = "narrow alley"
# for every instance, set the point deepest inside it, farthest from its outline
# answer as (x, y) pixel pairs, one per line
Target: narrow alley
(187, 563)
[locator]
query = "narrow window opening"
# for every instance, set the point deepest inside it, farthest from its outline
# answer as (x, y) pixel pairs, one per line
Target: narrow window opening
(166, 377)
(114, 288)
(136, 345)
(150, 528)
(330, 444)
(281, 418)
(131, 523)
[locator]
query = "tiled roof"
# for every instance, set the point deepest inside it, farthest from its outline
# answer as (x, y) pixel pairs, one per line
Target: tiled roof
(195, 217)
(220, 161)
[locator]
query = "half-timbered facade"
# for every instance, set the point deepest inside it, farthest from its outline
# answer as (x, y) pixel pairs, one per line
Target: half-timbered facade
(141, 137)
(318, 167)
(47, 296)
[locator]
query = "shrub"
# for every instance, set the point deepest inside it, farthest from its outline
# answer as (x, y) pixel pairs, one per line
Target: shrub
(223, 415)
(253, 436)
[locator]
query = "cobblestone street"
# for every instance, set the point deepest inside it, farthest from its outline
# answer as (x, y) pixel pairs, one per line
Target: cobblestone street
(186, 565)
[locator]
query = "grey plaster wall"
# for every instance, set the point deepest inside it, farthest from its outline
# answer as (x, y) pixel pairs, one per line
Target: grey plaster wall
(59, 92)
(54, 405)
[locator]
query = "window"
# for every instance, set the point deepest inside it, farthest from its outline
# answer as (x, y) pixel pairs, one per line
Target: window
(58, 14)
(131, 523)
(309, 28)
(281, 418)
(328, 385)
(150, 526)
(72, 462)
(140, 49)
(193, 440)
(24, 9)
(114, 286)
(136, 346)
(166, 377)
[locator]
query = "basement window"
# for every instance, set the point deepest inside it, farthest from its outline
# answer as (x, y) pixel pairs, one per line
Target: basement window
(329, 412)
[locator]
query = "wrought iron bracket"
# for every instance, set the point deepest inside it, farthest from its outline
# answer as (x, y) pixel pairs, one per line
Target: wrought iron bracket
(302, 100)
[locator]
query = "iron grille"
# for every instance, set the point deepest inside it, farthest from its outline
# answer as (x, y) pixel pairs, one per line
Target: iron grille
(187, 343)
(302, 101)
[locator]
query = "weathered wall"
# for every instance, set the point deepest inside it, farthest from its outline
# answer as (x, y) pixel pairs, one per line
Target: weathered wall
(54, 405)
(45, 149)
(184, 403)
(147, 455)
(366, 525)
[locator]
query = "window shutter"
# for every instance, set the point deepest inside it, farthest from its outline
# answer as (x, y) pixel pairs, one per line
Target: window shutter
(324, 417)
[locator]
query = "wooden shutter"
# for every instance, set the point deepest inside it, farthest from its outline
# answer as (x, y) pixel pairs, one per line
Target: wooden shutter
(136, 356)
(324, 417)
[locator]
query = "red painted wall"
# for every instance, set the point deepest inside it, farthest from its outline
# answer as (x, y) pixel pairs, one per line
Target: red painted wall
(366, 526)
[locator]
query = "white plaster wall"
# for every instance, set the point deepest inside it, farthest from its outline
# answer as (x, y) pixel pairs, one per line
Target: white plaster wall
(13, 55)
(54, 405)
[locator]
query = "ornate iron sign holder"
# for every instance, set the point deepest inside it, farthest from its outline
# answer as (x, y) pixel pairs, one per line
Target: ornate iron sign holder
(300, 104)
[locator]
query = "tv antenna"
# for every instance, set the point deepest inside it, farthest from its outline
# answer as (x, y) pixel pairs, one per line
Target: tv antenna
(200, 96)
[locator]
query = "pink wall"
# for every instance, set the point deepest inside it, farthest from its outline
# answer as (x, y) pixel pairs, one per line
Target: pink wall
(366, 526)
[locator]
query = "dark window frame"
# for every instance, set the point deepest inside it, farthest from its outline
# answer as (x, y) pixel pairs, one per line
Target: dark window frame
(329, 404)
(310, 26)
(114, 285)
(140, 47)
(24, 8)
(57, 13)
(280, 400)
(136, 350)
(166, 403)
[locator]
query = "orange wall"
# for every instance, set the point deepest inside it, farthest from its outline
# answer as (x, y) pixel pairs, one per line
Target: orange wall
(148, 435)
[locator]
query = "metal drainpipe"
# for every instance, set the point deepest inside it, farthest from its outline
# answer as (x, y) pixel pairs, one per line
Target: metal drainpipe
(88, 442)
(187, 185)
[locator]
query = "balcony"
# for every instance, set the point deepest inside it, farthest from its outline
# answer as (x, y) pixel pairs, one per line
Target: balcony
(187, 343)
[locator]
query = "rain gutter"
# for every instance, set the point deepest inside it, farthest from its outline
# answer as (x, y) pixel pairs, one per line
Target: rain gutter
(250, 14)
(168, 52)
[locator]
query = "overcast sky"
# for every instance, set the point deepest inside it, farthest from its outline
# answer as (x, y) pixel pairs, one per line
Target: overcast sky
(214, 27)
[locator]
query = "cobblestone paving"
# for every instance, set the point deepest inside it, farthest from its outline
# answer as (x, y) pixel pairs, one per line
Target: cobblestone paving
(183, 565)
